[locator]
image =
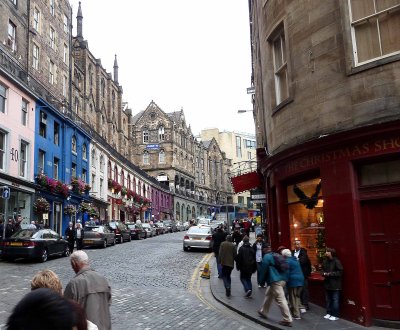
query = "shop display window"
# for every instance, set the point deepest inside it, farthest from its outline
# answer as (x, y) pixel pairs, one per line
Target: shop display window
(306, 218)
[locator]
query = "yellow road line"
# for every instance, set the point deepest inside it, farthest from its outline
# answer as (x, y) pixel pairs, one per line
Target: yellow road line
(196, 271)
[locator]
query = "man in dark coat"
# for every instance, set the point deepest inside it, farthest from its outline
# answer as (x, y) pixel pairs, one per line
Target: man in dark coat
(332, 271)
(218, 237)
(246, 264)
(305, 264)
(70, 236)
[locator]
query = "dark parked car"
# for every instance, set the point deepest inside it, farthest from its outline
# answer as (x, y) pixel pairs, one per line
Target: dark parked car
(122, 233)
(98, 236)
(160, 229)
(34, 244)
(136, 230)
(171, 226)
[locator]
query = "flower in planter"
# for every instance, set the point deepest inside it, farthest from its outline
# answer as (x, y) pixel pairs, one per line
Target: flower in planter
(62, 189)
(41, 180)
(70, 209)
(78, 186)
(87, 188)
(41, 205)
(52, 185)
(84, 207)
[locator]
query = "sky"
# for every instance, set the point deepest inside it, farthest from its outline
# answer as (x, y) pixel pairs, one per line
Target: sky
(182, 54)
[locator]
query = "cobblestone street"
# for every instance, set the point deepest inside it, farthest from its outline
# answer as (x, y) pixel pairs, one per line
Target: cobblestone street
(155, 285)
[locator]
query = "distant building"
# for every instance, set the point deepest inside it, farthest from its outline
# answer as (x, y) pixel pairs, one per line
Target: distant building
(327, 104)
(241, 149)
(197, 172)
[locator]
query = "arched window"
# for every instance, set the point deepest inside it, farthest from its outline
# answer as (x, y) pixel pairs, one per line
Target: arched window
(109, 169)
(145, 135)
(115, 173)
(129, 182)
(103, 87)
(122, 178)
(84, 151)
(139, 188)
(134, 185)
(161, 136)
(102, 164)
(73, 143)
(161, 157)
(91, 108)
(77, 105)
(146, 157)
(93, 158)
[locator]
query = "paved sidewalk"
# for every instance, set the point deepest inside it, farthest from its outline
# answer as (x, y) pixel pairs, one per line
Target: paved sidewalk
(248, 307)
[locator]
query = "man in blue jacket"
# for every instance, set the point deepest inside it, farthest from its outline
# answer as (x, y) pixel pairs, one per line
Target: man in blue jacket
(276, 282)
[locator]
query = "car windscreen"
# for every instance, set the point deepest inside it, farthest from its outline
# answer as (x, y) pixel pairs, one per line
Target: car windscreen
(94, 229)
(24, 233)
(131, 226)
(198, 230)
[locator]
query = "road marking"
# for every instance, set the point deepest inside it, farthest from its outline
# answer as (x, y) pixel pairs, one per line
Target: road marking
(196, 271)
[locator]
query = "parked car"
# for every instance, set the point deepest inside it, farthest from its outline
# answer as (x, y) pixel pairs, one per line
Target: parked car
(136, 230)
(34, 244)
(98, 236)
(150, 230)
(122, 233)
(161, 229)
(186, 225)
(198, 237)
(171, 226)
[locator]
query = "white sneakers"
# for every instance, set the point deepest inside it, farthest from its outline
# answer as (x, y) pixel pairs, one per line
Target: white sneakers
(330, 317)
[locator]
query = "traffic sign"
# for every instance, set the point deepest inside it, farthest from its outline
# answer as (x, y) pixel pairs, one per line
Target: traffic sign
(5, 194)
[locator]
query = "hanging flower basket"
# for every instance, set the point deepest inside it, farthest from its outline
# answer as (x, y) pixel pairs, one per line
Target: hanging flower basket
(78, 186)
(87, 188)
(93, 212)
(84, 207)
(41, 205)
(70, 209)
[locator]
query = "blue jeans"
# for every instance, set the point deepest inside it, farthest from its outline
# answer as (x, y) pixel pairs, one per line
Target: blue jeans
(259, 275)
(246, 281)
(332, 302)
(226, 276)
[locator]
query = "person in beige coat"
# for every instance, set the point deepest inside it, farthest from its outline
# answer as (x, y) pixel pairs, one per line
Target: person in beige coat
(91, 290)
(227, 254)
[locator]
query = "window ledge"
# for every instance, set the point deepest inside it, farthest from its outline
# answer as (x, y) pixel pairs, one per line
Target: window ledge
(374, 64)
(282, 105)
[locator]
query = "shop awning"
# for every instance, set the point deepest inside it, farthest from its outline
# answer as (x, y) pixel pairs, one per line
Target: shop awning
(246, 181)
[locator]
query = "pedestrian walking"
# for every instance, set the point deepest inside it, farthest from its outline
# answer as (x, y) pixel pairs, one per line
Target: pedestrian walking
(301, 254)
(260, 248)
(218, 237)
(237, 236)
(91, 290)
(332, 271)
(246, 264)
(227, 254)
(78, 236)
(70, 236)
(276, 281)
(294, 284)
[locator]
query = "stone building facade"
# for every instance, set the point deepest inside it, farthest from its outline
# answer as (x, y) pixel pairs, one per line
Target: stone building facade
(164, 146)
(327, 99)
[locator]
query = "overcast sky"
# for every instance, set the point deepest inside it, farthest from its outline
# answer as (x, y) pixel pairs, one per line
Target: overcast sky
(185, 54)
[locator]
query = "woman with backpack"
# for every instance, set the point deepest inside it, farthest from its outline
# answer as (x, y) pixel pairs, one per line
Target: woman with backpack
(246, 264)
(294, 284)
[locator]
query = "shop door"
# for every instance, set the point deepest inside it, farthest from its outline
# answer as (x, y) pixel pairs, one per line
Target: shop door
(382, 224)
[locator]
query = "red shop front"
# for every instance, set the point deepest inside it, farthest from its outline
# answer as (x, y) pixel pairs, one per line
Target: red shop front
(343, 191)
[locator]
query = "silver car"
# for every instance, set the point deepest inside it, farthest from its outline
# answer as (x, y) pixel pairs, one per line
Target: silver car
(198, 237)
(98, 236)
(150, 230)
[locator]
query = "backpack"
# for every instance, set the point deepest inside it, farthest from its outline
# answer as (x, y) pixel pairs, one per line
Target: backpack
(281, 264)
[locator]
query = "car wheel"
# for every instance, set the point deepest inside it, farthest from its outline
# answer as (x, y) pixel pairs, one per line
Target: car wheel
(130, 238)
(44, 256)
(185, 248)
(104, 243)
(66, 251)
(113, 242)
(121, 240)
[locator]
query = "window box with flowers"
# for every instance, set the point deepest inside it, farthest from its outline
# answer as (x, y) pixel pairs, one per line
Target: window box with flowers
(124, 191)
(78, 186)
(41, 205)
(52, 185)
(87, 188)
(130, 194)
(114, 185)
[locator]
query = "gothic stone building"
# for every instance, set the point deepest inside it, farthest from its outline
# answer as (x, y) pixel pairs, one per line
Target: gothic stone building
(164, 146)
